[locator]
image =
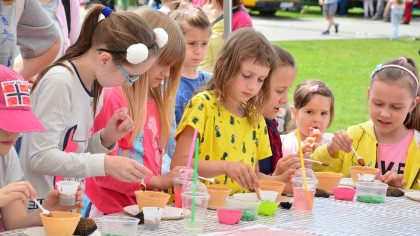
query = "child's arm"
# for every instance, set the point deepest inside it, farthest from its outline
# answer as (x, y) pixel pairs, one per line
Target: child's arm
(244, 174)
(29, 67)
(37, 38)
(15, 215)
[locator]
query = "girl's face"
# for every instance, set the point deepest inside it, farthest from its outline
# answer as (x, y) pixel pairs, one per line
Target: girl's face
(157, 74)
(196, 41)
(113, 75)
(281, 81)
(315, 114)
(389, 104)
(248, 82)
(7, 140)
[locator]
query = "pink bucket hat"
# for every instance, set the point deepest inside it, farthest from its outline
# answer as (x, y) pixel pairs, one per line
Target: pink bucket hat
(15, 104)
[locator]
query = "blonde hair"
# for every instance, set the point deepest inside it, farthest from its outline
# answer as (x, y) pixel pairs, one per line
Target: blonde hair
(116, 32)
(395, 74)
(187, 15)
(243, 44)
(303, 94)
(172, 54)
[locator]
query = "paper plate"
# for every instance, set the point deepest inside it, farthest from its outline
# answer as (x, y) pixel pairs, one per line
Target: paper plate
(169, 212)
(39, 231)
(35, 231)
(413, 195)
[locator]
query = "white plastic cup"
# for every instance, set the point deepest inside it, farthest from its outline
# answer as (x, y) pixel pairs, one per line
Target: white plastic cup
(152, 217)
(270, 196)
(67, 191)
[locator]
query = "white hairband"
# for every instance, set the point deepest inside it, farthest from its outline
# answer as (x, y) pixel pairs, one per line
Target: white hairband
(380, 67)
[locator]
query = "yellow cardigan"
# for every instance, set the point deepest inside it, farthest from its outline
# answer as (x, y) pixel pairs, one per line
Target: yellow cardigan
(364, 141)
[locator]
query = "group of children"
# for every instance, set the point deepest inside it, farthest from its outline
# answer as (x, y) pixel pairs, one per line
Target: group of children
(115, 102)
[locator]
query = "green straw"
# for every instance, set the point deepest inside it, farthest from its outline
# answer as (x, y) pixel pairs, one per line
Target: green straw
(195, 180)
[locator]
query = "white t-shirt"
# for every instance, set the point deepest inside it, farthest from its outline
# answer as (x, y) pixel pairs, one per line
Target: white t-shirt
(64, 106)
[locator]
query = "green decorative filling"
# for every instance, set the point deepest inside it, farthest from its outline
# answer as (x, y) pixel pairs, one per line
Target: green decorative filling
(248, 215)
(370, 199)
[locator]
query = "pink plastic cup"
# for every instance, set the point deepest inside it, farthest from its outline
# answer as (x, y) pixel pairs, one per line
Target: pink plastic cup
(229, 216)
(344, 193)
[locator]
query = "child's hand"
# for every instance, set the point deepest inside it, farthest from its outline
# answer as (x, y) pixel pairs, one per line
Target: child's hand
(166, 181)
(125, 169)
(51, 201)
(393, 179)
(307, 146)
(243, 174)
(22, 190)
(118, 126)
(291, 161)
(286, 178)
(340, 141)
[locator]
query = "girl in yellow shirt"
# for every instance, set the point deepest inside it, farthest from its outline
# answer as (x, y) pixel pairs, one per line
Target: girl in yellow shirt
(233, 135)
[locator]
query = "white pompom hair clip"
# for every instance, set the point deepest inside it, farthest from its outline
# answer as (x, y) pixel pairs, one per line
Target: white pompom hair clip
(137, 53)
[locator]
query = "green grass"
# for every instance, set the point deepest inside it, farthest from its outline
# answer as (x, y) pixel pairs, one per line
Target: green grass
(315, 12)
(346, 65)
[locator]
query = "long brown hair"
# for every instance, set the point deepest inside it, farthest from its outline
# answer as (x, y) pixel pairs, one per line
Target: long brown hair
(116, 32)
(243, 44)
(173, 55)
(392, 74)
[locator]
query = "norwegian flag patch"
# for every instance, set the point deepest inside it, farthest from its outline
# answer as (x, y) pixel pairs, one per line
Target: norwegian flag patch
(16, 93)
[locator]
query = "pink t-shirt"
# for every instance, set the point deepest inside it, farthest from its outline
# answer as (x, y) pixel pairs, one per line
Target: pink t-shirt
(153, 151)
(392, 157)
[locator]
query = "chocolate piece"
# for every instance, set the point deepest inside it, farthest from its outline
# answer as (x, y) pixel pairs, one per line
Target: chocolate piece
(321, 193)
(85, 227)
(394, 192)
(286, 205)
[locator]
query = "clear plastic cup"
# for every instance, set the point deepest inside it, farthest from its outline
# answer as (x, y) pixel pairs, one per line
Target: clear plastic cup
(152, 217)
(194, 210)
(304, 195)
(67, 191)
(178, 182)
(119, 225)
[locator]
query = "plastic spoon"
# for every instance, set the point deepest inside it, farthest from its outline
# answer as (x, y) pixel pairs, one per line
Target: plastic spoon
(45, 211)
(360, 159)
(213, 180)
(319, 162)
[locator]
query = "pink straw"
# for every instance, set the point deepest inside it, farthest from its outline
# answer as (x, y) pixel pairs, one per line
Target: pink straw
(189, 159)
